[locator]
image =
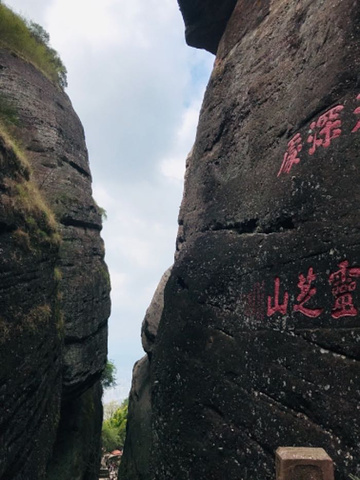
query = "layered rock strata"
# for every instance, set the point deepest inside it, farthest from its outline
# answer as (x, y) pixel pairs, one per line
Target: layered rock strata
(68, 355)
(258, 342)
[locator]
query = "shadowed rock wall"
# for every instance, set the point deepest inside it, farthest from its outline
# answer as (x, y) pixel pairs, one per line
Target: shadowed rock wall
(205, 21)
(258, 343)
(69, 355)
(135, 462)
(30, 325)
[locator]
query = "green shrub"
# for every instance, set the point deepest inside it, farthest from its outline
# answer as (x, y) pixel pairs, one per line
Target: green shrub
(110, 439)
(114, 428)
(119, 420)
(108, 377)
(30, 41)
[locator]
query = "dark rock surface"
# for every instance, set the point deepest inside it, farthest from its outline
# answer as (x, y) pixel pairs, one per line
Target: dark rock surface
(30, 325)
(79, 428)
(205, 21)
(51, 136)
(258, 344)
(135, 462)
(153, 315)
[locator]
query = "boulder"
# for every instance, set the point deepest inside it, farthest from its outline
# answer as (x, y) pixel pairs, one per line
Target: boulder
(258, 343)
(63, 284)
(135, 461)
(153, 314)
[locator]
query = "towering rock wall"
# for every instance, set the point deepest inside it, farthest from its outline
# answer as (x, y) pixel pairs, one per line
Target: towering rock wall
(54, 285)
(258, 342)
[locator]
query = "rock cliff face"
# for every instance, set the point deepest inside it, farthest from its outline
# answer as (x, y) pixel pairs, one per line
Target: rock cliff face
(205, 21)
(54, 285)
(258, 342)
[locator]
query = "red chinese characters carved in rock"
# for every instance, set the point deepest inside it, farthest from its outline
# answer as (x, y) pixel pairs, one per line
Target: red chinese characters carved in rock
(357, 112)
(291, 155)
(276, 306)
(306, 292)
(325, 129)
(343, 284)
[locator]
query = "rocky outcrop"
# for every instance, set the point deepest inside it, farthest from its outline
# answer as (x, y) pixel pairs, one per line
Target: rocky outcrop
(56, 279)
(135, 463)
(205, 21)
(30, 324)
(153, 314)
(258, 343)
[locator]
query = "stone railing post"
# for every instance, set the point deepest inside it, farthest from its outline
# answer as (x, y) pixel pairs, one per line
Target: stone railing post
(303, 463)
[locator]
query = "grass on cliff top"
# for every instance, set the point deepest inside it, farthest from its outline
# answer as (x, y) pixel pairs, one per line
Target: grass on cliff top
(30, 41)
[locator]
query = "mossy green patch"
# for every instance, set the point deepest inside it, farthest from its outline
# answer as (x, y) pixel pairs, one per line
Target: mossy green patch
(37, 318)
(105, 275)
(38, 225)
(15, 159)
(8, 112)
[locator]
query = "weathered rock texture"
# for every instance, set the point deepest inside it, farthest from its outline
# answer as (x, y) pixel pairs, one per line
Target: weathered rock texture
(139, 430)
(258, 343)
(54, 287)
(205, 21)
(153, 315)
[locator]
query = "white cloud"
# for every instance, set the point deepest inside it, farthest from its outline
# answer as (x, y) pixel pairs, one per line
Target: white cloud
(34, 10)
(173, 165)
(87, 22)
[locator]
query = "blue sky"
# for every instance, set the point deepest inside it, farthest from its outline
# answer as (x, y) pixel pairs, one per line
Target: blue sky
(137, 89)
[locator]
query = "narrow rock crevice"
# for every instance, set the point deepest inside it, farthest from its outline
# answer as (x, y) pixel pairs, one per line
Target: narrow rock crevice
(75, 166)
(298, 414)
(72, 222)
(247, 226)
(73, 340)
(226, 333)
(214, 409)
(338, 352)
(254, 225)
(6, 228)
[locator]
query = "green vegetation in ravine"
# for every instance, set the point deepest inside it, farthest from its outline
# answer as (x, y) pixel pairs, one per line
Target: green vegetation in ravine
(114, 425)
(31, 42)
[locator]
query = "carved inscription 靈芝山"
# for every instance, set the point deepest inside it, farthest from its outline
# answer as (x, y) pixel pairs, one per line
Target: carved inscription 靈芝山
(342, 283)
(306, 292)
